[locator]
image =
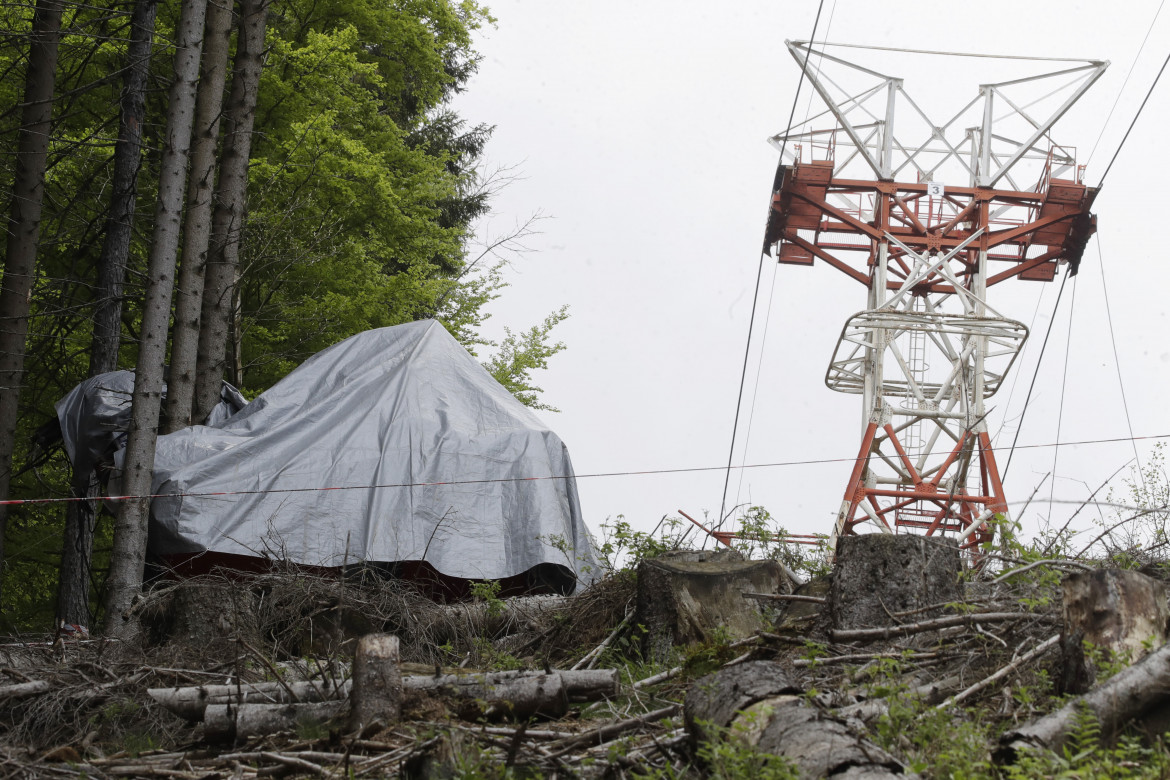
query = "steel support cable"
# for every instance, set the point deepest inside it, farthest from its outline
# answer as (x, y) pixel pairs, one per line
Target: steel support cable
(545, 478)
(1072, 305)
(747, 435)
(1128, 130)
(1036, 373)
(1016, 375)
(1117, 359)
(1124, 83)
(756, 297)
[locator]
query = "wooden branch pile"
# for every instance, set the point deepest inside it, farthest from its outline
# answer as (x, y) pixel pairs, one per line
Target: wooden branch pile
(648, 739)
(973, 650)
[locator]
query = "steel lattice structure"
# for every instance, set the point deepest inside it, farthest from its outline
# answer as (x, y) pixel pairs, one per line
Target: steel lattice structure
(927, 228)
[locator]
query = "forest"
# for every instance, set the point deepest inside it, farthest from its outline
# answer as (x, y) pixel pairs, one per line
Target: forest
(204, 191)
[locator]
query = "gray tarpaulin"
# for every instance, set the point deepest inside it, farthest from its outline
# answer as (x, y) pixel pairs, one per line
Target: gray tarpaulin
(95, 416)
(394, 445)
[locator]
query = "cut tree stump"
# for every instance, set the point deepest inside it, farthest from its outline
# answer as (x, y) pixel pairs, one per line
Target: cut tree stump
(1122, 614)
(877, 575)
(376, 695)
(760, 706)
(683, 597)
(205, 618)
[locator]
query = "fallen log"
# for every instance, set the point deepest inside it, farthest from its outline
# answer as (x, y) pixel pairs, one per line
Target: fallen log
(494, 697)
(654, 679)
(905, 629)
(1130, 694)
(191, 702)
(21, 690)
(225, 722)
(591, 684)
(757, 704)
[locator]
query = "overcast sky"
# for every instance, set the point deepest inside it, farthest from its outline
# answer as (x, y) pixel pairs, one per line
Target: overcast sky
(640, 130)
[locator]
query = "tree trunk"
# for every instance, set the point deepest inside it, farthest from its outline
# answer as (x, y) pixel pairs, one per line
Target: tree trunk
(231, 195)
(111, 266)
(77, 552)
(197, 221)
(130, 529)
(80, 516)
(24, 224)
(512, 696)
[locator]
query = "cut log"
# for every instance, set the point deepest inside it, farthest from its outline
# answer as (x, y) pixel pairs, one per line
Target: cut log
(191, 702)
(1131, 694)
(879, 574)
(683, 597)
(497, 697)
(1121, 614)
(756, 704)
(376, 694)
(591, 684)
(947, 621)
(717, 698)
(226, 722)
(21, 690)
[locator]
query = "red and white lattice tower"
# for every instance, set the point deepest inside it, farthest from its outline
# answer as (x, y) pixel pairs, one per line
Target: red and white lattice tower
(928, 216)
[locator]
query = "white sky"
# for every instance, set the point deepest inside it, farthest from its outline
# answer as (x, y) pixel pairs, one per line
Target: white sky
(640, 129)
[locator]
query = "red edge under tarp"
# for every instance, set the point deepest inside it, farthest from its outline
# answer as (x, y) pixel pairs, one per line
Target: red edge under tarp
(544, 579)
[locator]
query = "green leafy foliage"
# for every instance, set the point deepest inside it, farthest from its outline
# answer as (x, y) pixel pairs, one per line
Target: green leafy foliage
(488, 593)
(623, 547)
(729, 755)
(761, 536)
(731, 759)
(1085, 757)
(522, 353)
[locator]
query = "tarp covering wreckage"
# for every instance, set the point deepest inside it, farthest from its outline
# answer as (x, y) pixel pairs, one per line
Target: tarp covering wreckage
(394, 447)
